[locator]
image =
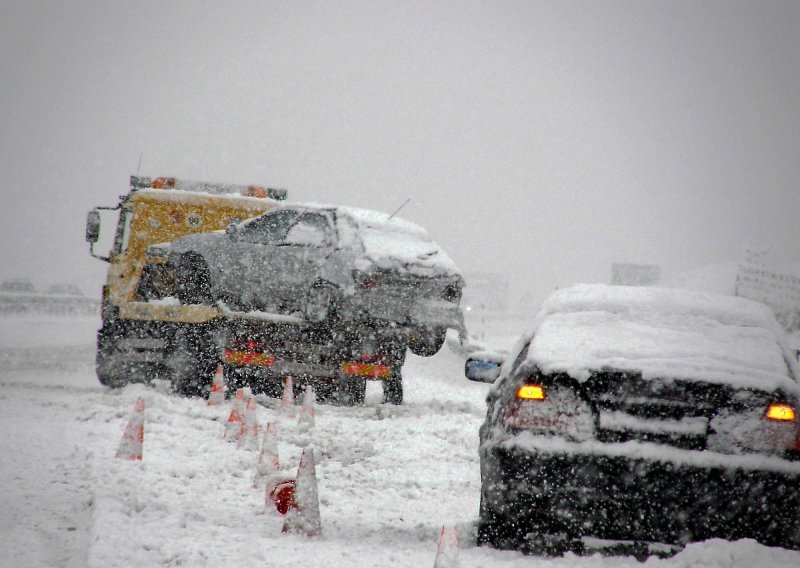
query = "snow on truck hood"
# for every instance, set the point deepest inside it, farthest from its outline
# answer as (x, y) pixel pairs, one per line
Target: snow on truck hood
(660, 332)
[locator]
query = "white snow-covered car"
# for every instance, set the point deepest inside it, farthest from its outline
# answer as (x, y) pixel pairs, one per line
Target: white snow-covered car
(638, 420)
(326, 264)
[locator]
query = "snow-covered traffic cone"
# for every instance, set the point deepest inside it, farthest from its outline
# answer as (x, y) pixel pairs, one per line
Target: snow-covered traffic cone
(217, 394)
(233, 428)
(130, 447)
(306, 420)
(305, 519)
(268, 467)
(447, 549)
(287, 398)
(248, 436)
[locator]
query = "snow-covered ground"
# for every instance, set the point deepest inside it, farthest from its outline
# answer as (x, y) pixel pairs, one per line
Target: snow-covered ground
(389, 477)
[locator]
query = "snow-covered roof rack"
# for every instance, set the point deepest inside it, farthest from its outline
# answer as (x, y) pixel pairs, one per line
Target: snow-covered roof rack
(138, 182)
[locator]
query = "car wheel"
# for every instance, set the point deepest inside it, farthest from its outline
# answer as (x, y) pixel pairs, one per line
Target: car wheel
(427, 341)
(320, 303)
(194, 282)
(497, 531)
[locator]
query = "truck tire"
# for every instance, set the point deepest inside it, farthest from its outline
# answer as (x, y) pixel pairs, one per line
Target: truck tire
(393, 389)
(110, 370)
(194, 282)
(427, 341)
(192, 360)
(351, 392)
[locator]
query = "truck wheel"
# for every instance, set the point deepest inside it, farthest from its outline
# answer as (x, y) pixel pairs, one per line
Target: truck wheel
(393, 389)
(111, 371)
(192, 361)
(194, 282)
(351, 392)
(427, 341)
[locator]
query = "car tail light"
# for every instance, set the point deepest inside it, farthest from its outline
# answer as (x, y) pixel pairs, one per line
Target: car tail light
(530, 392)
(781, 412)
(553, 410)
(772, 430)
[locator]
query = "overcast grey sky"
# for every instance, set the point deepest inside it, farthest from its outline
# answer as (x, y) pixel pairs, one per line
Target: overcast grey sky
(542, 139)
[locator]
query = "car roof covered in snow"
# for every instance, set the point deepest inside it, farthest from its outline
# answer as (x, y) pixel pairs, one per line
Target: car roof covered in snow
(387, 240)
(660, 333)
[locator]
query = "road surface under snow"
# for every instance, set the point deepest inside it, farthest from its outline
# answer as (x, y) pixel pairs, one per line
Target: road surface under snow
(389, 477)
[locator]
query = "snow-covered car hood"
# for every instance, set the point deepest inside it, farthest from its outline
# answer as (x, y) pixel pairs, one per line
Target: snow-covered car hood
(660, 333)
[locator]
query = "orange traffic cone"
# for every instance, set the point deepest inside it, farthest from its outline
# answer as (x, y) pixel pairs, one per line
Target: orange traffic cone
(306, 420)
(447, 549)
(305, 519)
(217, 394)
(269, 463)
(130, 447)
(248, 435)
(233, 428)
(287, 398)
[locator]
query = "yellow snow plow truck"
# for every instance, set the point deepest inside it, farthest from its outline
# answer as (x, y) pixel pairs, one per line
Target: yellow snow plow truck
(153, 326)
(139, 339)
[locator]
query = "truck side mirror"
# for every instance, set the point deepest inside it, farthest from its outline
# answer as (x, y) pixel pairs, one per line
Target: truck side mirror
(93, 226)
(483, 366)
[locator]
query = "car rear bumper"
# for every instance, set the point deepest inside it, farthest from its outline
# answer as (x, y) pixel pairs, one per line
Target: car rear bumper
(407, 312)
(616, 497)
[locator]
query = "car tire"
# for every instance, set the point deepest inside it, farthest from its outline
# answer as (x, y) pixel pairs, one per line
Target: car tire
(320, 305)
(427, 341)
(497, 531)
(194, 281)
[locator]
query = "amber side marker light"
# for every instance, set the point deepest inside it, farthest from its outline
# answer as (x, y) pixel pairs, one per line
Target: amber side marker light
(781, 412)
(531, 392)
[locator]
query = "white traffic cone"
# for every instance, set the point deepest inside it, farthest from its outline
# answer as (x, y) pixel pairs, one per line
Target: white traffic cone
(248, 436)
(217, 394)
(447, 549)
(130, 447)
(233, 428)
(287, 398)
(269, 464)
(306, 420)
(305, 519)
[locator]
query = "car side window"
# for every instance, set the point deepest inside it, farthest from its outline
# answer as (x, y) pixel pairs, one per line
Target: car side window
(311, 229)
(267, 229)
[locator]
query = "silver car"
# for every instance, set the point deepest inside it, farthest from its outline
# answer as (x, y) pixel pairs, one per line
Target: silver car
(328, 265)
